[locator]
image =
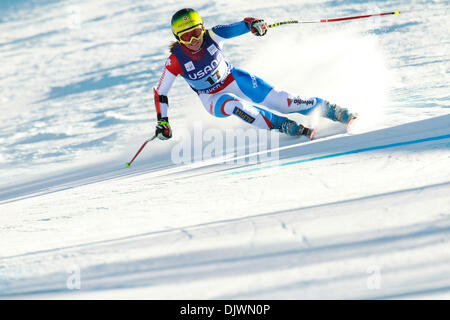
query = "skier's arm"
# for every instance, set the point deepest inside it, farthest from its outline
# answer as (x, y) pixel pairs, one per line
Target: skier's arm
(222, 32)
(171, 70)
(160, 93)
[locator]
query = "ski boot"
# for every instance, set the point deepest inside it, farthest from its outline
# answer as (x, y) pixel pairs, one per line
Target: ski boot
(337, 113)
(291, 128)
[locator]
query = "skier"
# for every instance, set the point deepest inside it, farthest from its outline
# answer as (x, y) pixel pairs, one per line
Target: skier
(223, 88)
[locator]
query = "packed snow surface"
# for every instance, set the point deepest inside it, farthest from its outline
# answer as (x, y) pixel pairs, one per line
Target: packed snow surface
(358, 215)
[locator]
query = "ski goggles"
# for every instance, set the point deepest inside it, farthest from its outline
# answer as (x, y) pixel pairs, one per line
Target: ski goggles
(187, 36)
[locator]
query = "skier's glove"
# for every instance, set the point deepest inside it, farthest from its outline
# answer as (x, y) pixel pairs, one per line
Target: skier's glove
(257, 26)
(163, 130)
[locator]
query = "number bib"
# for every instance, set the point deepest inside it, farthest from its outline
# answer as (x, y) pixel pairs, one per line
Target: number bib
(208, 73)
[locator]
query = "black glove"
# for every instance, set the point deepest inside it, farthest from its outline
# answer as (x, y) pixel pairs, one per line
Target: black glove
(257, 26)
(163, 130)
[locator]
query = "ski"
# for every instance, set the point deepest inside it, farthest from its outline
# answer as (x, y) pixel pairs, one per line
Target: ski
(304, 131)
(308, 132)
(351, 125)
(311, 135)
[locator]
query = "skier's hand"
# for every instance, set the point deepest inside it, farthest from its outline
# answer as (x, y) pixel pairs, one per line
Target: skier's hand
(257, 26)
(163, 130)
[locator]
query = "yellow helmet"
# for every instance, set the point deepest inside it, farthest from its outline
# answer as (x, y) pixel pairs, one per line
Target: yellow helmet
(185, 19)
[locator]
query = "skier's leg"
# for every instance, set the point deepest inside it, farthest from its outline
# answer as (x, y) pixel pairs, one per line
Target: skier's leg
(263, 93)
(285, 102)
(226, 104)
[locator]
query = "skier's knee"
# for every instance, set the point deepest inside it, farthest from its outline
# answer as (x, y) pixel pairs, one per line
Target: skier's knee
(224, 106)
(278, 100)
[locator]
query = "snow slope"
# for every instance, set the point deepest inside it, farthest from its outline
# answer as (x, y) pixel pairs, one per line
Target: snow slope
(365, 215)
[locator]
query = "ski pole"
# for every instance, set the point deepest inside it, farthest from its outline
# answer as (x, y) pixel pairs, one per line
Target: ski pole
(128, 164)
(332, 20)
